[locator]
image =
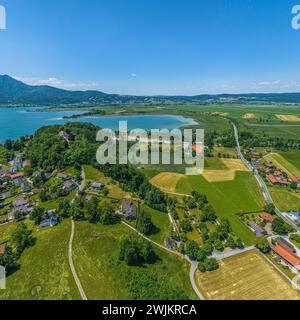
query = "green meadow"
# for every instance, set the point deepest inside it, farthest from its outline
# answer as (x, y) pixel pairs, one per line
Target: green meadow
(104, 276)
(229, 198)
(44, 272)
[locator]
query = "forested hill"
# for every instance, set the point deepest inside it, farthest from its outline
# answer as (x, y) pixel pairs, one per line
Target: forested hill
(14, 92)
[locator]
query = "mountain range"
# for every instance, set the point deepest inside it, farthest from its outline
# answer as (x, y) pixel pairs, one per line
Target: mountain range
(14, 92)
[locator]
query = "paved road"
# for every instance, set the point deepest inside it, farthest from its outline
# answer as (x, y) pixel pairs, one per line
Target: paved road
(194, 264)
(231, 253)
(263, 186)
(75, 276)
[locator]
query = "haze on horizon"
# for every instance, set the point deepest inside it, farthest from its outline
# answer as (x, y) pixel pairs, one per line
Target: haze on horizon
(153, 47)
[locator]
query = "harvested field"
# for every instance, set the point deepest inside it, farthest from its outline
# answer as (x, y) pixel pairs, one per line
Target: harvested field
(233, 166)
(166, 181)
(249, 116)
(247, 276)
(288, 117)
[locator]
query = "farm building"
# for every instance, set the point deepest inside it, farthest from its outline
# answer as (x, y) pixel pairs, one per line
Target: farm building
(258, 230)
(289, 258)
(285, 244)
(129, 209)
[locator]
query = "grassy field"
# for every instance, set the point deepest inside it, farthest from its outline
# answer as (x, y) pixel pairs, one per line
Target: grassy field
(247, 276)
(161, 222)
(293, 157)
(94, 175)
(282, 163)
(229, 198)
(44, 272)
(285, 199)
(103, 276)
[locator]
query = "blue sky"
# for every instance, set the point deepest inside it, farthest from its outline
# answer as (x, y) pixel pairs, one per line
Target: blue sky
(153, 46)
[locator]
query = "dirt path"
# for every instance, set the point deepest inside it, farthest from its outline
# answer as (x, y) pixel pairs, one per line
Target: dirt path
(75, 276)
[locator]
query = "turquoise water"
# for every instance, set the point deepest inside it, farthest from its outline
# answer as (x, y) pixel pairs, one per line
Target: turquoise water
(17, 122)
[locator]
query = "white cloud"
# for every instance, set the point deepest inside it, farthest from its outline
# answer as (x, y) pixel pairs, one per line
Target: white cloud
(268, 83)
(133, 74)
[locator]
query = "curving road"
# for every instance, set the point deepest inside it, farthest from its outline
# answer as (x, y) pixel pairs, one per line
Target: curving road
(260, 181)
(71, 263)
(194, 264)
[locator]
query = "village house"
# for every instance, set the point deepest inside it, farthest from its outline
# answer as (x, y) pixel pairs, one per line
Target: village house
(2, 249)
(296, 180)
(5, 195)
(170, 243)
(266, 217)
(258, 230)
(51, 219)
(63, 176)
(26, 164)
(129, 210)
(97, 185)
(70, 185)
(67, 136)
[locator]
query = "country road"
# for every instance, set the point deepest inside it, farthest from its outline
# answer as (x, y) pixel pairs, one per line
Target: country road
(71, 263)
(263, 186)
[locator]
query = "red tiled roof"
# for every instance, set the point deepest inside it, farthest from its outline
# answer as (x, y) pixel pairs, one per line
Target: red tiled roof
(2, 248)
(283, 182)
(294, 179)
(17, 175)
(287, 255)
(266, 217)
(278, 173)
(272, 179)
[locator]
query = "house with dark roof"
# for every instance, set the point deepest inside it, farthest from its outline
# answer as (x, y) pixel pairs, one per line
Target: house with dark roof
(97, 185)
(129, 210)
(51, 219)
(5, 195)
(70, 185)
(258, 230)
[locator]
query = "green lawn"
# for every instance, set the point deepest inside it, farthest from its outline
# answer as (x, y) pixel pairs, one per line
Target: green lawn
(284, 199)
(44, 272)
(103, 276)
(229, 198)
(293, 157)
(161, 222)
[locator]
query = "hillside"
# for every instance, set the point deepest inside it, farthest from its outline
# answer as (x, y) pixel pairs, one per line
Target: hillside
(14, 92)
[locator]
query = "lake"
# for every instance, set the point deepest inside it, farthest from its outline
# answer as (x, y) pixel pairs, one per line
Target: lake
(17, 122)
